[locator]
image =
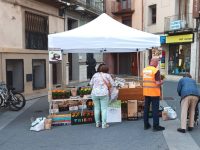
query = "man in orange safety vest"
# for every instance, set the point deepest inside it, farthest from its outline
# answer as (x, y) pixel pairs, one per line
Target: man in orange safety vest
(151, 90)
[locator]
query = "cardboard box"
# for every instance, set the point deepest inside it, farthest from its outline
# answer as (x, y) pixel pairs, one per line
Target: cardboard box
(132, 109)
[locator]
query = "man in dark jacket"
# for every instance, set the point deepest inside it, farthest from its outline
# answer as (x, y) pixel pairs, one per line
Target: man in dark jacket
(188, 90)
(91, 62)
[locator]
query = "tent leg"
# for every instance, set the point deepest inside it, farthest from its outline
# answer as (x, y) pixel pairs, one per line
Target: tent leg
(118, 63)
(50, 88)
(138, 65)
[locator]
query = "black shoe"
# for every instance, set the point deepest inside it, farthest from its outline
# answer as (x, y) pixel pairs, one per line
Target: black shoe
(181, 130)
(158, 128)
(146, 127)
(190, 128)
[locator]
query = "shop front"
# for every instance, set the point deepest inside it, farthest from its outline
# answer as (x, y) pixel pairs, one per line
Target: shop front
(179, 56)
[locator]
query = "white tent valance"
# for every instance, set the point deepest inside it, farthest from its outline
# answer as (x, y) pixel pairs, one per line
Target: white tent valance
(103, 34)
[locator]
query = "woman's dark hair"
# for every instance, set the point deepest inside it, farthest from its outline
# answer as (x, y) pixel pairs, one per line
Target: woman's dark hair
(99, 67)
(104, 69)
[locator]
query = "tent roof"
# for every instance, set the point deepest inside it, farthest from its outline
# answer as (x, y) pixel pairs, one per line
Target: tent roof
(103, 34)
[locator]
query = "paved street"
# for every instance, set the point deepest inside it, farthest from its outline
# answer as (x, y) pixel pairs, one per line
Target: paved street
(15, 134)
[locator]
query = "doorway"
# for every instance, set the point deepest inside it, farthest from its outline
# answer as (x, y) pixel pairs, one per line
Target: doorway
(15, 74)
(39, 73)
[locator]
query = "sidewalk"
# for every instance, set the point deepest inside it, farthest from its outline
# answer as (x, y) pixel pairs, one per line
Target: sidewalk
(120, 136)
(126, 135)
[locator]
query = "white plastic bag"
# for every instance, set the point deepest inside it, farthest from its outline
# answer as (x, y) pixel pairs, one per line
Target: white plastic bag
(114, 93)
(171, 114)
(38, 124)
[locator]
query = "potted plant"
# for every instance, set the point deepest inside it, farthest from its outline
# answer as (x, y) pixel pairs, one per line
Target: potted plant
(55, 94)
(67, 94)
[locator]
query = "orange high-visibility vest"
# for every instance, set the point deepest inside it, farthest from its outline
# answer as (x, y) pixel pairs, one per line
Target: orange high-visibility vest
(150, 88)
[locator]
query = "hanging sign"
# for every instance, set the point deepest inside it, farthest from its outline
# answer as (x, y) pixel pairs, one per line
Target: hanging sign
(55, 55)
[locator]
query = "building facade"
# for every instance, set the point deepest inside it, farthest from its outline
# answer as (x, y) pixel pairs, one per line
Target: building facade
(24, 29)
(129, 13)
(173, 20)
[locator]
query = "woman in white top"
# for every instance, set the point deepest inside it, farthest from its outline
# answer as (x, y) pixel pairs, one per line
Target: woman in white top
(100, 94)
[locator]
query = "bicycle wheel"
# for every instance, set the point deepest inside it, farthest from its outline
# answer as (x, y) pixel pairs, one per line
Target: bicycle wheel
(17, 101)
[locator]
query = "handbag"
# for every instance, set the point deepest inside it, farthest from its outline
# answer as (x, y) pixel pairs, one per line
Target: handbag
(113, 91)
(108, 84)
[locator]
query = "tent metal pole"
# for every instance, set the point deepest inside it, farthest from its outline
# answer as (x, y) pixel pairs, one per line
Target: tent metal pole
(118, 63)
(50, 88)
(138, 64)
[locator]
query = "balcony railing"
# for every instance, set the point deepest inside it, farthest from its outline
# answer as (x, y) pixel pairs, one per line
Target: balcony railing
(121, 7)
(92, 6)
(179, 23)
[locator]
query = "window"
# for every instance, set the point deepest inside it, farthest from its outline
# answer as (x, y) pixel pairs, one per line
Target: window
(72, 23)
(179, 59)
(127, 21)
(36, 31)
(39, 73)
(152, 9)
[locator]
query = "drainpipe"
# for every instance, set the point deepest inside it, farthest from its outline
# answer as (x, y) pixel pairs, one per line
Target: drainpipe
(104, 6)
(1, 79)
(185, 8)
(179, 9)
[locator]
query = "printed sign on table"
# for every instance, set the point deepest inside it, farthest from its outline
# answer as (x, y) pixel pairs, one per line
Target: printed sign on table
(55, 55)
(114, 112)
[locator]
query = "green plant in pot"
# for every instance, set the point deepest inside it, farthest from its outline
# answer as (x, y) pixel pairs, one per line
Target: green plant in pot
(67, 94)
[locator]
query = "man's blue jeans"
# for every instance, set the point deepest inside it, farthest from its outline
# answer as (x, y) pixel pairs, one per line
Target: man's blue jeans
(155, 110)
(100, 105)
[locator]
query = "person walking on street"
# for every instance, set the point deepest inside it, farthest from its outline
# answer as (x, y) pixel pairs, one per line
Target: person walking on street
(188, 90)
(152, 90)
(100, 94)
(91, 62)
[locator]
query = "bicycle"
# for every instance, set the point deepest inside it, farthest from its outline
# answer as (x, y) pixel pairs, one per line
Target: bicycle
(11, 99)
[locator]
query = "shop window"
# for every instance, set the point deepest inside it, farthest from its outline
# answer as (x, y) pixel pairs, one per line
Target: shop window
(36, 31)
(152, 12)
(179, 59)
(39, 73)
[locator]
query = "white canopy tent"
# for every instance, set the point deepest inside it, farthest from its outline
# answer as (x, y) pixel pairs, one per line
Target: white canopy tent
(103, 34)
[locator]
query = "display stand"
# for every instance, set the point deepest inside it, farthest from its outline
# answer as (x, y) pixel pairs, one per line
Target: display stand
(51, 102)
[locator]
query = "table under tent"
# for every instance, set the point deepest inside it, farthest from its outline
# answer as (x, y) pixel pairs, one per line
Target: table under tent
(101, 35)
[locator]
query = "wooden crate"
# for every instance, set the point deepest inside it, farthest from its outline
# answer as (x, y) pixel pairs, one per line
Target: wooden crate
(130, 94)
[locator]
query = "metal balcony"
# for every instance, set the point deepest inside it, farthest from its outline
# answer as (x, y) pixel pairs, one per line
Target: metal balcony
(55, 3)
(121, 7)
(87, 7)
(91, 8)
(179, 23)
